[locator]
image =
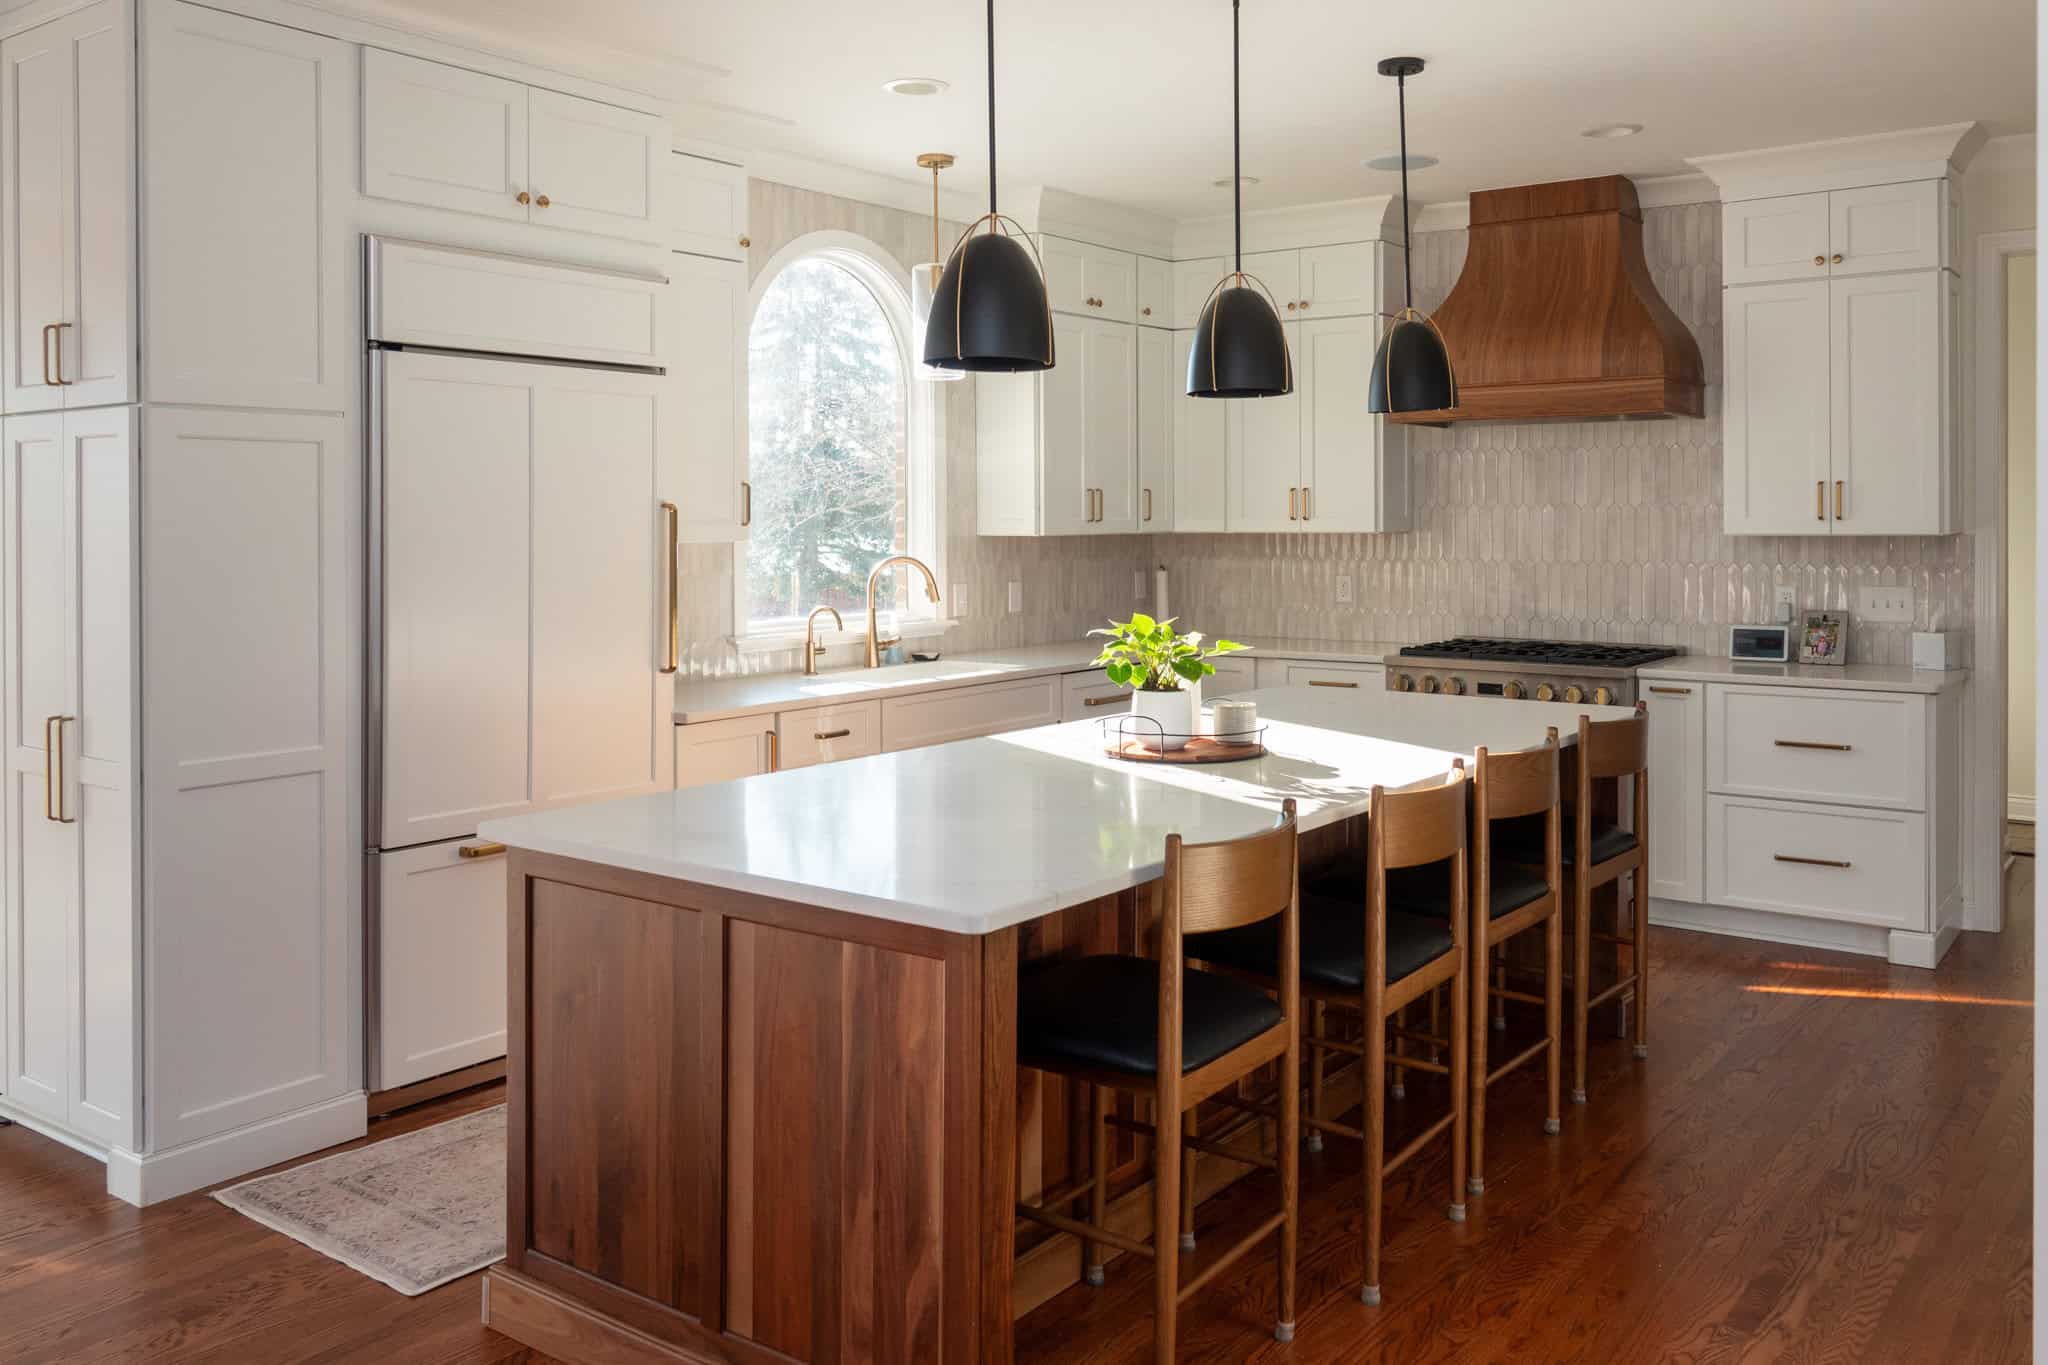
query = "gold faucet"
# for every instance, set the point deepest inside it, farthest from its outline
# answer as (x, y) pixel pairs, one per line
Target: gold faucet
(931, 590)
(812, 649)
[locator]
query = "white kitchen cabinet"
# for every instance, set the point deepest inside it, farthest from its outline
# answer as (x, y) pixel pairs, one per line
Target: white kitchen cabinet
(449, 138)
(721, 750)
(247, 162)
(67, 177)
(1057, 450)
(1265, 453)
(1831, 234)
(967, 712)
(1279, 272)
(1818, 862)
(1088, 280)
(1234, 673)
(1154, 413)
(1192, 283)
(1155, 292)
(1354, 467)
(708, 379)
(1678, 789)
(1783, 238)
(827, 734)
(1340, 281)
(439, 940)
(72, 894)
(523, 521)
(1811, 744)
(708, 207)
(1201, 449)
(1775, 422)
(1090, 695)
(1307, 673)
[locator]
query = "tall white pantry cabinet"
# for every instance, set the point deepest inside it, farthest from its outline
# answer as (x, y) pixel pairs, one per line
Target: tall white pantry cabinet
(178, 975)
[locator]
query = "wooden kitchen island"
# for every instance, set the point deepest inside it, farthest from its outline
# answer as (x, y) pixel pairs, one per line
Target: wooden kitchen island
(763, 1095)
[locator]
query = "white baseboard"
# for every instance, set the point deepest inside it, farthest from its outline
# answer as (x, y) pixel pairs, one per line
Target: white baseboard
(165, 1175)
(1923, 950)
(1771, 927)
(2020, 808)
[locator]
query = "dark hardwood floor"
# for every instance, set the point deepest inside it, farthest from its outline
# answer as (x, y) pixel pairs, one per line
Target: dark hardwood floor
(1825, 1159)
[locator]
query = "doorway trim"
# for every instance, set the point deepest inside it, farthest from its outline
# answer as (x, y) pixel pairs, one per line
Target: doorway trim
(1985, 815)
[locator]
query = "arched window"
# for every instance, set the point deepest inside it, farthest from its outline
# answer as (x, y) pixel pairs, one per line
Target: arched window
(833, 459)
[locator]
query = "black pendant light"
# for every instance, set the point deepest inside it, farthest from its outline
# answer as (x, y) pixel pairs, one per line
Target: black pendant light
(1412, 372)
(990, 312)
(1240, 349)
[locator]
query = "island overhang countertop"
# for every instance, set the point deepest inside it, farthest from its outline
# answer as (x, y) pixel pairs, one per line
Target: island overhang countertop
(980, 835)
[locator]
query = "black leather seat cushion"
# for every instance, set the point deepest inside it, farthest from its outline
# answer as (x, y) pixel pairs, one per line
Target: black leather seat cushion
(1104, 1012)
(1332, 944)
(1426, 890)
(1522, 840)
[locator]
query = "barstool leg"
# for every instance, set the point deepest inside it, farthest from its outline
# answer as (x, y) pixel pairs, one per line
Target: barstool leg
(1582, 967)
(1166, 1155)
(1375, 1143)
(1553, 1012)
(1639, 882)
(1290, 1184)
(1476, 1115)
(1315, 1076)
(1187, 1186)
(1463, 1026)
(1098, 1195)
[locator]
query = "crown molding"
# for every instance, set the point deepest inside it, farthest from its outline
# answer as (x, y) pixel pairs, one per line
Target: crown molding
(1046, 208)
(847, 182)
(1376, 218)
(1652, 191)
(1933, 153)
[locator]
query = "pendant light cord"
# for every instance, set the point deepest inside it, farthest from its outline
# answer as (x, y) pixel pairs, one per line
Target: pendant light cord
(991, 108)
(1236, 139)
(1407, 236)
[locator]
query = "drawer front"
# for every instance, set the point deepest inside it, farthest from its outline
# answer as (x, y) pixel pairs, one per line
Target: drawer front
(440, 964)
(967, 712)
(1345, 677)
(1233, 675)
(721, 750)
(1859, 866)
(825, 734)
(1858, 748)
(1085, 696)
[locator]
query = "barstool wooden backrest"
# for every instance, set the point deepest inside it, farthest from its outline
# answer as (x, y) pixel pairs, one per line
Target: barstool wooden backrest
(1225, 885)
(1408, 827)
(1506, 786)
(1611, 749)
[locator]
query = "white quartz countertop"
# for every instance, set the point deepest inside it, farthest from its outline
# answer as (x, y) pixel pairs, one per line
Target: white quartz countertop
(722, 699)
(1850, 677)
(982, 834)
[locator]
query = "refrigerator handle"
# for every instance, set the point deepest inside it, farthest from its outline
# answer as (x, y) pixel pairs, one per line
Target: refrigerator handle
(672, 517)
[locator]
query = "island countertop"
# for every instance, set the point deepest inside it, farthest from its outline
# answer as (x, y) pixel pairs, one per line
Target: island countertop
(979, 835)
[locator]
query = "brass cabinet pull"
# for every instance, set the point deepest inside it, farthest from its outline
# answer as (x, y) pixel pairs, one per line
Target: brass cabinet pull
(523, 197)
(831, 734)
(1811, 862)
(1330, 682)
(54, 782)
(1812, 744)
(1293, 502)
(57, 354)
(1104, 701)
(1820, 499)
(673, 518)
(774, 751)
(1306, 514)
(47, 329)
(1838, 498)
(1148, 504)
(746, 503)
(1673, 691)
(479, 850)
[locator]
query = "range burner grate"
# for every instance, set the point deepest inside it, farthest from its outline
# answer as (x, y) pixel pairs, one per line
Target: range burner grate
(1550, 653)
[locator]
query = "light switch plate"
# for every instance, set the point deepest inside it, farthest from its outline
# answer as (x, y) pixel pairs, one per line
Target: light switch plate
(1884, 603)
(1343, 589)
(1137, 585)
(1016, 596)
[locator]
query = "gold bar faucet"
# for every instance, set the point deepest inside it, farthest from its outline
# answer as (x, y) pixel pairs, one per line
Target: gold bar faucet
(812, 649)
(931, 590)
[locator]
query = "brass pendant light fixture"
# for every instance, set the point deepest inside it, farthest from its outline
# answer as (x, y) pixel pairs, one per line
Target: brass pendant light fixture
(1412, 372)
(924, 280)
(1240, 348)
(989, 312)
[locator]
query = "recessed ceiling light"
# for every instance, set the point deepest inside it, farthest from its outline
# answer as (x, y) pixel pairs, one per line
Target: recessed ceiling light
(916, 85)
(1223, 182)
(1392, 162)
(1608, 130)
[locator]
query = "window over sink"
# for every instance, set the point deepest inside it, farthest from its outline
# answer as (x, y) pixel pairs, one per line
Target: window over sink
(842, 439)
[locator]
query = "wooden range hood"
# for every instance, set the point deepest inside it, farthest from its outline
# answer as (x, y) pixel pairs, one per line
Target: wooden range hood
(1555, 316)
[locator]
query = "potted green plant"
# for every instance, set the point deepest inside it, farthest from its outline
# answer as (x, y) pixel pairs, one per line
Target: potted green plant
(1162, 667)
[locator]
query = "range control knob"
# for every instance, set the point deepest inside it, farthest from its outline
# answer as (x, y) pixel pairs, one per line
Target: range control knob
(1546, 692)
(1403, 683)
(1455, 686)
(1430, 684)
(1575, 694)
(1514, 691)
(1603, 696)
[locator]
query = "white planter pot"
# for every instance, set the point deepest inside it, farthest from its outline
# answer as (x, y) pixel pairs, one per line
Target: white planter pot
(1174, 713)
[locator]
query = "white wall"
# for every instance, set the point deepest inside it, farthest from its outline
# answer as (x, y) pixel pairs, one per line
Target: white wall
(2020, 361)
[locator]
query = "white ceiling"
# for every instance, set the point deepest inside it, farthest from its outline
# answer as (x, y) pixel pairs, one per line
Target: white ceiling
(1129, 100)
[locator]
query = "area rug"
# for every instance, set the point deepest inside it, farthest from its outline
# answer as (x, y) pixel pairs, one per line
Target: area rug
(412, 1212)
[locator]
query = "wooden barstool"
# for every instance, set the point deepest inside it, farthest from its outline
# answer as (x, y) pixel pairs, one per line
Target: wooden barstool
(1600, 852)
(1358, 955)
(1160, 1029)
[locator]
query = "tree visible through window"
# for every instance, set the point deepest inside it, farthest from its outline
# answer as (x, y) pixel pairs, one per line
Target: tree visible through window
(827, 431)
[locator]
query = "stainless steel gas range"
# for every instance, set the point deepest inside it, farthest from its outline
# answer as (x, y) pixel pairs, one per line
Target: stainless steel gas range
(1569, 671)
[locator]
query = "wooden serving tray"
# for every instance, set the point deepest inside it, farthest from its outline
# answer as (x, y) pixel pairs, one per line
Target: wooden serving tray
(1201, 749)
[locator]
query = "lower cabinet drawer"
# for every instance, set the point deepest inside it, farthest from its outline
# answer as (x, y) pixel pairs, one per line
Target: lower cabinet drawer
(1801, 744)
(1828, 862)
(966, 712)
(1088, 695)
(440, 964)
(1294, 673)
(1233, 675)
(824, 734)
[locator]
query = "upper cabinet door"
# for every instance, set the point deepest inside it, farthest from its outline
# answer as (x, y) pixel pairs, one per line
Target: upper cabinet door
(1201, 449)
(1886, 227)
(97, 352)
(36, 89)
(1111, 381)
(1265, 453)
(1113, 283)
(246, 180)
(1775, 412)
(1339, 281)
(1066, 275)
(1066, 502)
(708, 204)
(1155, 292)
(1279, 272)
(1890, 412)
(1156, 396)
(442, 136)
(1767, 240)
(596, 167)
(1089, 281)
(708, 379)
(1341, 466)
(1193, 281)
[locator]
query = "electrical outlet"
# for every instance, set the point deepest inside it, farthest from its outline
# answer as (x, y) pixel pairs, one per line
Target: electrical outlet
(1343, 589)
(1786, 599)
(1016, 596)
(1884, 603)
(959, 601)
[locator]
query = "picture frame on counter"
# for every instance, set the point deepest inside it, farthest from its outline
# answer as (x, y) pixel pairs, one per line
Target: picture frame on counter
(1824, 638)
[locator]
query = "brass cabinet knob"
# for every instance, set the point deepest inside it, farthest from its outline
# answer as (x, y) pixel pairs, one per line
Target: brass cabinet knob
(1290, 305)
(542, 201)
(1146, 311)
(746, 241)
(1820, 260)
(523, 197)
(1304, 305)
(1836, 258)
